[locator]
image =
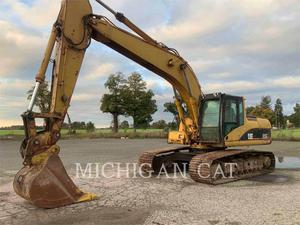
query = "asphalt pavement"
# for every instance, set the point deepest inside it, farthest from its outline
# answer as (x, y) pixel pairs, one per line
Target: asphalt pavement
(269, 199)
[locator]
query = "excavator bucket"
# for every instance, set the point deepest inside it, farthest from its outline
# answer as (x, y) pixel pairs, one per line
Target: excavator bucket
(46, 183)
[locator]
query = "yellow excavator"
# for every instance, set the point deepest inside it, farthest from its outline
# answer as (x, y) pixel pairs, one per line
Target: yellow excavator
(209, 123)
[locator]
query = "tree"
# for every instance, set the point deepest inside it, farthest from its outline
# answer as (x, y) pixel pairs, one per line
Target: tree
(278, 111)
(266, 109)
(90, 127)
(263, 110)
(139, 102)
(295, 117)
(43, 97)
(113, 102)
(249, 110)
(160, 124)
(173, 125)
(266, 102)
(78, 125)
(124, 125)
(171, 108)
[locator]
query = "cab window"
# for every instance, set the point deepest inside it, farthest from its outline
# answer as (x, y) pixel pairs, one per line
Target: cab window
(211, 112)
(210, 121)
(233, 115)
(230, 111)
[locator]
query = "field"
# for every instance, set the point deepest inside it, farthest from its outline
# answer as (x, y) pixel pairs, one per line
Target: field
(284, 134)
(98, 133)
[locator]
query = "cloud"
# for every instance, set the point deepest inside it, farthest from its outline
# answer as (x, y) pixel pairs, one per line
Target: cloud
(13, 101)
(292, 82)
(37, 14)
(231, 87)
(287, 82)
(158, 83)
(101, 71)
(82, 97)
(19, 49)
(249, 48)
(236, 37)
(14, 87)
(10, 122)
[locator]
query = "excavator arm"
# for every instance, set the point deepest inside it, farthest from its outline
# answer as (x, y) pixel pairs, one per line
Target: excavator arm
(71, 35)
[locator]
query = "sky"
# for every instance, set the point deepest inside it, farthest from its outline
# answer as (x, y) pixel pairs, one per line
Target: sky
(248, 48)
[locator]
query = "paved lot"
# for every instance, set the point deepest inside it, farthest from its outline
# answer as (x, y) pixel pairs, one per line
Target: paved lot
(270, 199)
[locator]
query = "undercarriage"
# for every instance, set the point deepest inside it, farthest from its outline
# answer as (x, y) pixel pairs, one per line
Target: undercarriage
(210, 166)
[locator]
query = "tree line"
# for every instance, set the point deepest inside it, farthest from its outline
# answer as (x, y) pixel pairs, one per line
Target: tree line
(275, 114)
(128, 96)
(76, 125)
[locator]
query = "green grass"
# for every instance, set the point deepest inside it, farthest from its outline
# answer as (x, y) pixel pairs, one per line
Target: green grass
(286, 134)
(11, 132)
(107, 133)
(98, 133)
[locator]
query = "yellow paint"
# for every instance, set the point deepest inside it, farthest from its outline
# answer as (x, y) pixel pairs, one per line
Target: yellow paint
(87, 196)
(42, 157)
(177, 137)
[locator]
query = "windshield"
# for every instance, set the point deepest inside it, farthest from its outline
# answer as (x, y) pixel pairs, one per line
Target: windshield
(211, 112)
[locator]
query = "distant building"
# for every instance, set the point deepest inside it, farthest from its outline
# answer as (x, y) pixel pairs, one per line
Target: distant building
(289, 124)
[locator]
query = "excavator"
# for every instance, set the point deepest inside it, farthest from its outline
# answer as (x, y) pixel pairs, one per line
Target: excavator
(211, 128)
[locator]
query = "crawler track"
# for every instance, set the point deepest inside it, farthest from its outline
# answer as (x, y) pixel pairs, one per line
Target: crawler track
(211, 167)
(245, 164)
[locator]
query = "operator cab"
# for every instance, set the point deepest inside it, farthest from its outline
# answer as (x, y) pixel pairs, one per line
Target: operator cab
(219, 115)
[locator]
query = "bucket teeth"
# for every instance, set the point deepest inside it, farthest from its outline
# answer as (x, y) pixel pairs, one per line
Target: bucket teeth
(46, 183)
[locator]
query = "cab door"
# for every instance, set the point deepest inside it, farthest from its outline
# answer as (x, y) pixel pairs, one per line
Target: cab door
(210, 123)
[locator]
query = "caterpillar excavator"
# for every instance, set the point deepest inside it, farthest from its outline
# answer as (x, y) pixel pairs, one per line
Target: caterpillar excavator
(211, 125)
